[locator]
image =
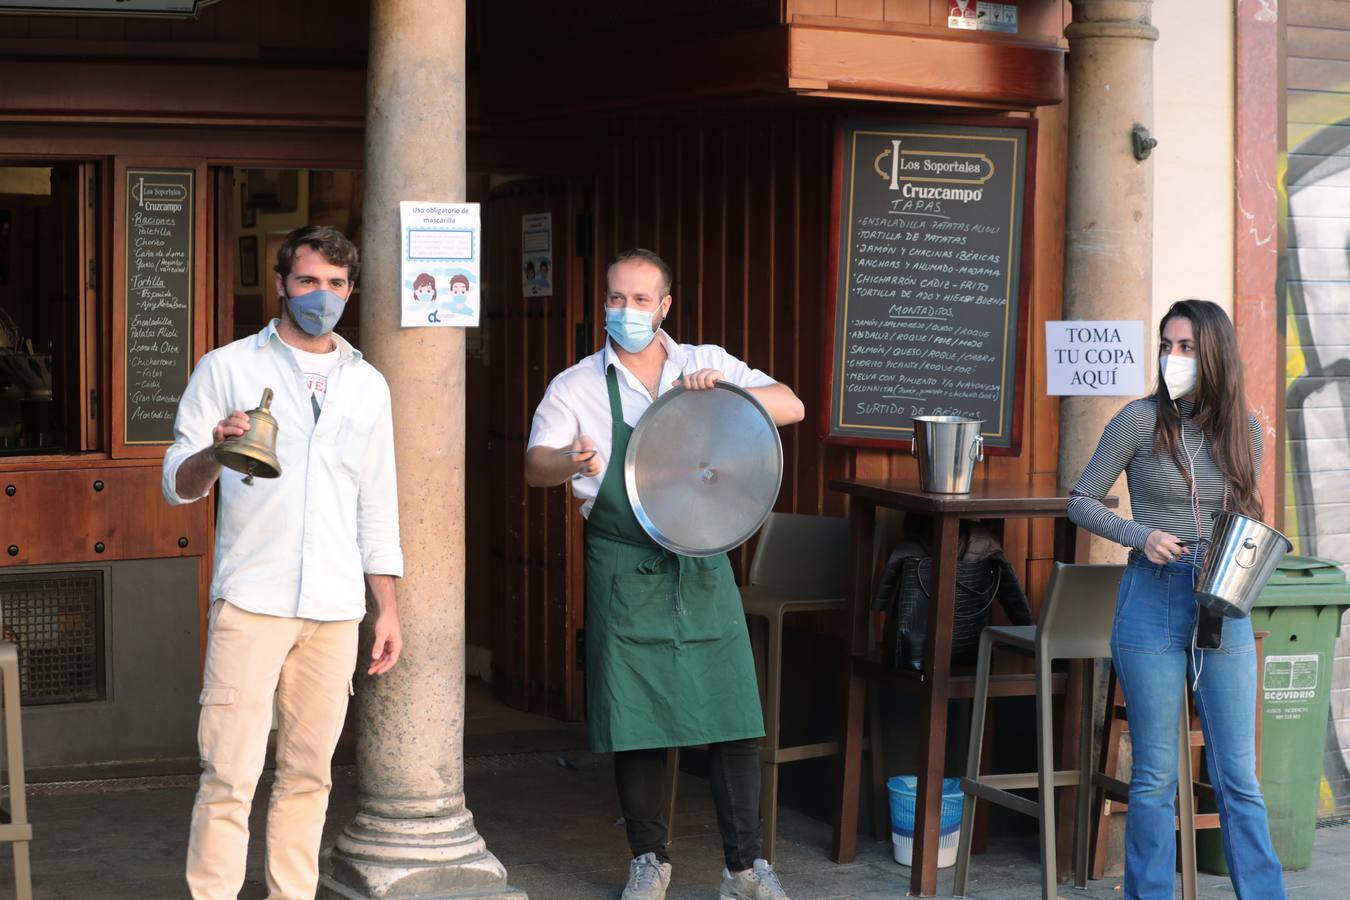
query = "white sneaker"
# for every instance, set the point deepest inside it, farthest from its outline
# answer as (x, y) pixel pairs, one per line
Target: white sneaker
(756, 883)
(648, 878)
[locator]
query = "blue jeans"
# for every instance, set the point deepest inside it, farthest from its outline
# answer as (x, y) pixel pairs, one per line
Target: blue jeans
(1151, 647)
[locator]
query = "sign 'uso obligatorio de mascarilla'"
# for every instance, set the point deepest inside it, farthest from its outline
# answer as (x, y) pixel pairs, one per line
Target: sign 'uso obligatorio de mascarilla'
(929, 271)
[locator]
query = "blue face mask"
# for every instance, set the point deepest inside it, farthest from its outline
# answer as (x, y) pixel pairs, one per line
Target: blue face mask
(317, 312)
(631, 329)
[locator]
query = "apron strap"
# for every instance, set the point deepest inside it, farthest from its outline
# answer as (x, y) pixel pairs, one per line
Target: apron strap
(612, 516)
(615, 404)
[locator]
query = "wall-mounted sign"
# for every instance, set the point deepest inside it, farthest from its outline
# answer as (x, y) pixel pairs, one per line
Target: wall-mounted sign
(442, 258)
(979, 15)
(159, 285)
(536, 255)
(177, 9)
(930, 278)
(1094, 359)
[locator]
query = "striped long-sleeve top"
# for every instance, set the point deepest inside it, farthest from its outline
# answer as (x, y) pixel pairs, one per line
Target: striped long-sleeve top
(1159, 495)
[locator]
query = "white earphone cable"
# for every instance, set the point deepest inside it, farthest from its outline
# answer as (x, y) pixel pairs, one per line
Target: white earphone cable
(1197, 654)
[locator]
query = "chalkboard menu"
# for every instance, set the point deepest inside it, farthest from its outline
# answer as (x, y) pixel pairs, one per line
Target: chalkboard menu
(159, 285)
(930, 273)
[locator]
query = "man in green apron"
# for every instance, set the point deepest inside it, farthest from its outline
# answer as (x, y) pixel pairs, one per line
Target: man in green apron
(668, 660)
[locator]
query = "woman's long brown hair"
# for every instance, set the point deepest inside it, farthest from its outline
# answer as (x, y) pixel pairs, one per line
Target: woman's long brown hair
(1220, 405)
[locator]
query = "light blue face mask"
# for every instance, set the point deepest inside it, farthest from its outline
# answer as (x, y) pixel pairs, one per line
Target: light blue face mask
(317, 312)
(632, 329)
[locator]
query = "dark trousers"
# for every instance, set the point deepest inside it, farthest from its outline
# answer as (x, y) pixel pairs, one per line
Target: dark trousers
(733, 774)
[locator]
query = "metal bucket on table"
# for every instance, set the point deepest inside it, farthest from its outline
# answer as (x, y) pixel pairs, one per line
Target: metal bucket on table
(1243, 554)
(948, 448)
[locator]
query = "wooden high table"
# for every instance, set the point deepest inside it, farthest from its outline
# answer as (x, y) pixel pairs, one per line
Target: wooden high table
(1035, 498)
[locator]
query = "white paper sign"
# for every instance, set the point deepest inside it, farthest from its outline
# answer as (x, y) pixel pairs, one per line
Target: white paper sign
(536, 255)
(442, 258)
(1094, 359)
(979, 15)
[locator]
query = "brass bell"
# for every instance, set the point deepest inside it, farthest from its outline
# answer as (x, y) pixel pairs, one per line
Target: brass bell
(255, 451)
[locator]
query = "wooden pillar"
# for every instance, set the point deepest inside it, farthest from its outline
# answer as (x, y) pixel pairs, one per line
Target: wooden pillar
(1108, 251)
(413, 835)
(1256, 307)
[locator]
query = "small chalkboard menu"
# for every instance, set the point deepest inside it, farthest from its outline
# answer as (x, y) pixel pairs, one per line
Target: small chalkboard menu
(930, 273)
(159, 285)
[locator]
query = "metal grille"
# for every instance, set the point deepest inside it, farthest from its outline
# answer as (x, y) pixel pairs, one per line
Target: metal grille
(56, 619)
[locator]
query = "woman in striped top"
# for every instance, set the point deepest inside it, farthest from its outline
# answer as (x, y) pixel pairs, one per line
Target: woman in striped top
(1188, 451)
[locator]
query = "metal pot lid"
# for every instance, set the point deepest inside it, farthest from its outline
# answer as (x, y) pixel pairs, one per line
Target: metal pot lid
(703, 469)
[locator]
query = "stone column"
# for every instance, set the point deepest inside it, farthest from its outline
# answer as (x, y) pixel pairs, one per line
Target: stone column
(412, 835)
(1108, 248)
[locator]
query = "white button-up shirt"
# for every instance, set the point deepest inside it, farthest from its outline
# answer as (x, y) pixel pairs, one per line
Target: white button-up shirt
(577, 401)
(297, 545)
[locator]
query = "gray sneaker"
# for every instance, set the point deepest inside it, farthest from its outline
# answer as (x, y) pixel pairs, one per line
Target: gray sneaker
(756, 883)
(648, 878)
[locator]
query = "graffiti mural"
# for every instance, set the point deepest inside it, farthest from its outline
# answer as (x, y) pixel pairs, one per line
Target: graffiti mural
(1316, 276)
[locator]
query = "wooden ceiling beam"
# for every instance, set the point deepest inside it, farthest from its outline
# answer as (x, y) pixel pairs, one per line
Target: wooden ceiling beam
(923, 68)
(590, 77)
(175, 92)
(581, 80)
(585, 79)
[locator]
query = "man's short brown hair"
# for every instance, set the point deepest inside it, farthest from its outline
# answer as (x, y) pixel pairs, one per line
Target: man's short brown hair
(638, 254)
(325, 240)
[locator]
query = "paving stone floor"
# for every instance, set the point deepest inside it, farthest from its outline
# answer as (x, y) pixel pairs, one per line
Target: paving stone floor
(546, 807)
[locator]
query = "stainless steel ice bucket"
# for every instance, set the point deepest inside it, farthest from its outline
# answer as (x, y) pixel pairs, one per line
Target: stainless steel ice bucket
(1243, 554)
(948, 448)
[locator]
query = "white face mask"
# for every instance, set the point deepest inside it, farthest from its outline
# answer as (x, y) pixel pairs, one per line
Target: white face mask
(1179, 374)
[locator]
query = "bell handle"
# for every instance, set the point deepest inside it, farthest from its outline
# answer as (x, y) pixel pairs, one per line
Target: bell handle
(266, 403)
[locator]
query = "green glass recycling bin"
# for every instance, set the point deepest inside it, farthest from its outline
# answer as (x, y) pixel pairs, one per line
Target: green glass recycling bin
(1300, 609)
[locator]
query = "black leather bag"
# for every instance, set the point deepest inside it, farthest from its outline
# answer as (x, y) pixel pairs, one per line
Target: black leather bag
(978, 582)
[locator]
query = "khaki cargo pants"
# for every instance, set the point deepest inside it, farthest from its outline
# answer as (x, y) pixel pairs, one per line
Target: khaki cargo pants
(308, 665)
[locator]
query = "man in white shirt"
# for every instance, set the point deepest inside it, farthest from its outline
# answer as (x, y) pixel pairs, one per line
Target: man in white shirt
(293, 558)
(668, 659)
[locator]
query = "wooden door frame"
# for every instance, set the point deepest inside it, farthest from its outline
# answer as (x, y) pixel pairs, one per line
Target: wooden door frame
(580, 243)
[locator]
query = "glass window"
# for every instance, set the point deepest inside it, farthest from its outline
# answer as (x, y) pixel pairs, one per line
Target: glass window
(45, 377)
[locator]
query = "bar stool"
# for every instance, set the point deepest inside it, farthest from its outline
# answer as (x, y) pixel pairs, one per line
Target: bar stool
(800, 566)
(14, 825)
(1075, 624)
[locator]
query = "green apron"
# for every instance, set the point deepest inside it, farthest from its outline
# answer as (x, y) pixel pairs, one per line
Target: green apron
(668, 660)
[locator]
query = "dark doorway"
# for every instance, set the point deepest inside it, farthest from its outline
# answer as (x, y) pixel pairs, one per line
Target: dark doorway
(524, 573)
